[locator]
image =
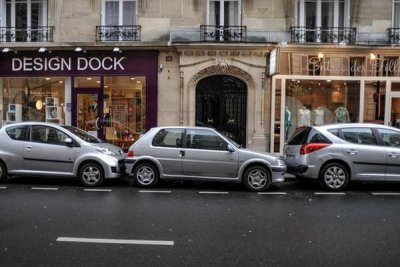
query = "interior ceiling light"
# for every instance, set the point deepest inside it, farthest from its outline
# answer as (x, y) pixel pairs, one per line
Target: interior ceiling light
(78, 49)
(116, 49)
(42, 49)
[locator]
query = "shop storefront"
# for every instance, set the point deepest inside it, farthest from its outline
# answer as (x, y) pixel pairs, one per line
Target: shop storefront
(325, 88)
(111, 95)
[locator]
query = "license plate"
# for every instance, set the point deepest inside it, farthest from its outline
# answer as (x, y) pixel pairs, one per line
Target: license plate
(289, 157)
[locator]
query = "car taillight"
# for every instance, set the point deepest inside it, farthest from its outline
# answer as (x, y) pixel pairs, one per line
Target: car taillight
(130, 153)
(308, 148)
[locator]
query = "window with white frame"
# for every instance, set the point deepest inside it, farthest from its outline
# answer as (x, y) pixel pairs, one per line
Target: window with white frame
(224, 12)
(24, 18)
(119, 12)
(323, 13)
(396, 14)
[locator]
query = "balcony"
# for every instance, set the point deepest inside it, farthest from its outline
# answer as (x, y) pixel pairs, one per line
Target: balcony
(212, 33)
(323, 35)
(37, 34)
(394, 35)
(118, 33)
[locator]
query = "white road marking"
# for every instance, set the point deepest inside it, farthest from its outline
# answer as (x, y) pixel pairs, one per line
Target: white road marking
(3, 187)
(152, 191)
(96, 190)
(272, 193)
(115, 241)
(213, 192)
(330, 193)
(45, 188)
(385, 194)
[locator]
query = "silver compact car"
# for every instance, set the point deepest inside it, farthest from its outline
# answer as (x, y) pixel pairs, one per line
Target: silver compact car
(199, 153)
(46, 149)
(338, 153)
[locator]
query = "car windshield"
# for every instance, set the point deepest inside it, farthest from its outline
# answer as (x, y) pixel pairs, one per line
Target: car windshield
(230, 139)
(83, 135)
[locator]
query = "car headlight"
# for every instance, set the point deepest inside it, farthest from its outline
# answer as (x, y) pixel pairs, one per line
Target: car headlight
(104, 150)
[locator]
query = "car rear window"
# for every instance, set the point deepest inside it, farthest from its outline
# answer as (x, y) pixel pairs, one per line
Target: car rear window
(18, 132)
(300, 136)
(168, 138)
(319, 138)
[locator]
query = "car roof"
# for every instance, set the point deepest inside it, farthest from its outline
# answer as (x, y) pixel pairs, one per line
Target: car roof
(183, 127)
(352, 125)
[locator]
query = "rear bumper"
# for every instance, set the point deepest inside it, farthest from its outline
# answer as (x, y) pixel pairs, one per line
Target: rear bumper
(296, 168)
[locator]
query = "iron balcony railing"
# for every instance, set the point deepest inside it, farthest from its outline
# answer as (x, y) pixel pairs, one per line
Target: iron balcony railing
(118, 33)
(212, 33)
(394, 35)
(323, 35)
(30, 34)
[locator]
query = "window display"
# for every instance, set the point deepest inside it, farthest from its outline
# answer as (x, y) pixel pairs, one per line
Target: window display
(319, 102)
(32, 99)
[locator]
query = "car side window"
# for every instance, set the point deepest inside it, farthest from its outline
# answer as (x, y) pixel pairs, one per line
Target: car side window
(205, 139)
(18, 132)
(168, 138)
(390, 137)
(363, 136)
(46, 134)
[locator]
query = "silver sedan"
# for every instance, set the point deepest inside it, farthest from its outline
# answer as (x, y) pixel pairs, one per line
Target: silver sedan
(338, 153)
(199, 153)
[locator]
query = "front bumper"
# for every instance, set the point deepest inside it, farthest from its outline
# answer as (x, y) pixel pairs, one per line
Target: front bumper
(278, 173)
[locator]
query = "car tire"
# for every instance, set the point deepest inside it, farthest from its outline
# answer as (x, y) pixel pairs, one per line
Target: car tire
(334, 176)
(3, 172)
(91, 174)
(257, 178)
(145, 175)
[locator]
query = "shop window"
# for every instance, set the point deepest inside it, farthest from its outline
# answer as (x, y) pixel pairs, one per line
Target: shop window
(124, 109)
(24, 20)
(320, 102)
(32, 99)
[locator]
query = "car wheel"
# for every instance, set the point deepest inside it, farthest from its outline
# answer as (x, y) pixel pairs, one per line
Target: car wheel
(334, 176)
(91, 174)
(257, 178)
(3, 172)
(146, 175)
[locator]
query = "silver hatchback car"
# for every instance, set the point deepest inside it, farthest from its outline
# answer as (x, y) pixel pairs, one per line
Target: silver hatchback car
(199, 153)
(338, 153)
(46, 149)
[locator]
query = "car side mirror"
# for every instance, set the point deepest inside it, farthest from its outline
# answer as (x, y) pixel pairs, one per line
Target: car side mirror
(68, 141)
(230, 148)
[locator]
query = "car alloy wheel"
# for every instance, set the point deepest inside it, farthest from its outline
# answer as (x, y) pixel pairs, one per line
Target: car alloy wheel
(257, 178)
(334, 176)
(3, 172)
(146, 175)
(91, 174)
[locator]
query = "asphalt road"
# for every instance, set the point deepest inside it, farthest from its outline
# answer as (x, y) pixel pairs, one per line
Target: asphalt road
(59, 223)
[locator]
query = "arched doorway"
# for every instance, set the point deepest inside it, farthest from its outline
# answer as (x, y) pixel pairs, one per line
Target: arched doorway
(221, 103)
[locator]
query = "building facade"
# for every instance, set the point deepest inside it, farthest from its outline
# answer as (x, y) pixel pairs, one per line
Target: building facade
(253, 69)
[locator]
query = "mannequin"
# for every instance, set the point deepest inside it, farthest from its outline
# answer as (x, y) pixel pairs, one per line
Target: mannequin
(342, 115)
(303, 117)
(288, 121)
(318, 116)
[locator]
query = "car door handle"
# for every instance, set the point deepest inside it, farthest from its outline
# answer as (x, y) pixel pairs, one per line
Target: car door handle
(352, 152)
(393, 155)
(182, 153)
(28, 147)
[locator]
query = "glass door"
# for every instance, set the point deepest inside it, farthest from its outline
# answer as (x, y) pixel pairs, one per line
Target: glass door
(89, 111)
(395, 112)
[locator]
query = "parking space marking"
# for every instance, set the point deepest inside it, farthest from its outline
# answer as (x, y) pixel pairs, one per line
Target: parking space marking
(385, 194)
(213, 192)
(45, 188)
(272, 193)
(154, 191)
(115, 241)
(330, 193)
(96, 190)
